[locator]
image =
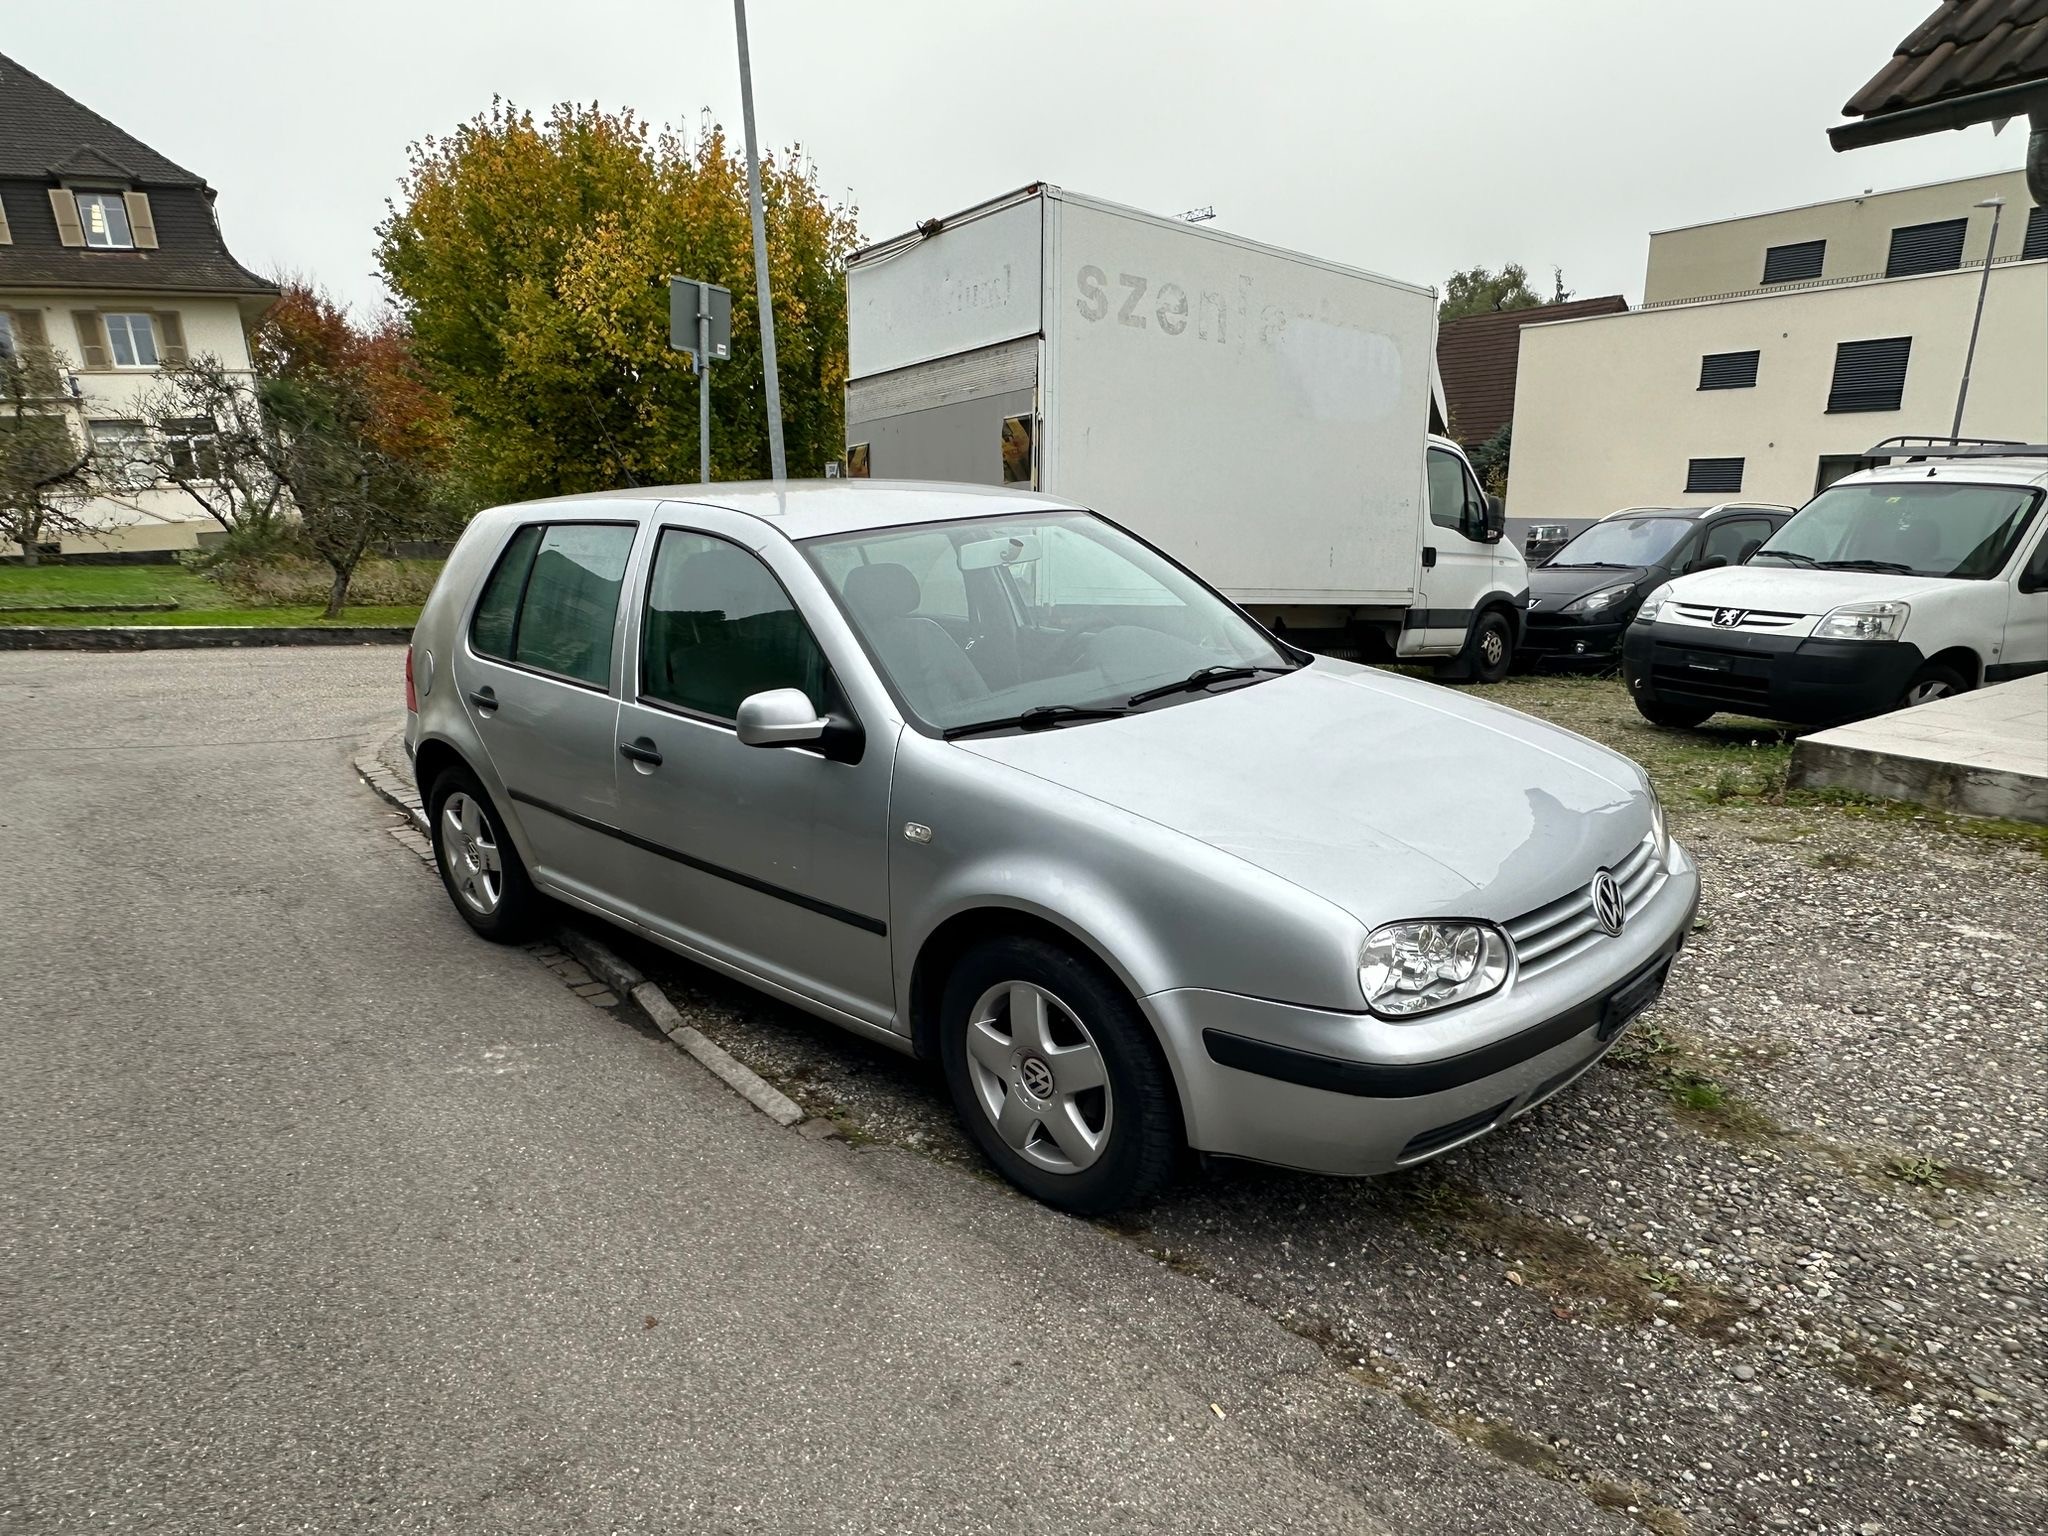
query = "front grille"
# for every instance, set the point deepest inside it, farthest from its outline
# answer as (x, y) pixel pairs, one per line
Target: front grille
(1703, 613)
(1554, 933)
(1443, 1136)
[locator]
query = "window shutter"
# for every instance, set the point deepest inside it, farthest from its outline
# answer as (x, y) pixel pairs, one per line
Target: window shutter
(170, 339)
(1794, 263)
(6, 234)
(2036, 245)
(1713, 475)
(92, 339)
(1870, 375)
(65, 207)
(1728, 370)
(28, 328)
(141, 227)
(1926, 248)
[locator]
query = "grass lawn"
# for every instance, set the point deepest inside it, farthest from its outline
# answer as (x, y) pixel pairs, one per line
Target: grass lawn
(24, 592)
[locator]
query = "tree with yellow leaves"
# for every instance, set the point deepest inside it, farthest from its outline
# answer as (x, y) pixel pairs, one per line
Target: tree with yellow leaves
(532, 258)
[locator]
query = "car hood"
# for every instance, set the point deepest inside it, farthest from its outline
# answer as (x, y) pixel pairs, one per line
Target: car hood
(1788, 589)
(1386, 796)
(1560, 584)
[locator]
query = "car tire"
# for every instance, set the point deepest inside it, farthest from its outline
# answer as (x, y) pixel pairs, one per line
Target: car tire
(1057, 1076)
(1930, 683)
(479, 866)
(1677, 716)
(1489, 651)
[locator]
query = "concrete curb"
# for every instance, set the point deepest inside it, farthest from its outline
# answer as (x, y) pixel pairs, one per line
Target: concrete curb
(595, 973)
(191, 637)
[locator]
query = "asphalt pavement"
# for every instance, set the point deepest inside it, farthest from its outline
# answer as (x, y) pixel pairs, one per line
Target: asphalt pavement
(319, 1214)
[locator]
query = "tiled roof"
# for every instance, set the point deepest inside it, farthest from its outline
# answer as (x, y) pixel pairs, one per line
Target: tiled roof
(41, 129)
(1966, 46)
(1477, 356)
(190, 257)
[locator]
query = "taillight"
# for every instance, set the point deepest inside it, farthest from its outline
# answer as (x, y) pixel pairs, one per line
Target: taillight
(412, 699)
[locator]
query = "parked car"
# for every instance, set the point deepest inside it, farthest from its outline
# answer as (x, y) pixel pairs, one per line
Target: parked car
(1582, 598)
(985, 777)
(1544, 540)
(1896, 585)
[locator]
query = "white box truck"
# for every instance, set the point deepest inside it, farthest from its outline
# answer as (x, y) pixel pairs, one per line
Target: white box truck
(1261, 414)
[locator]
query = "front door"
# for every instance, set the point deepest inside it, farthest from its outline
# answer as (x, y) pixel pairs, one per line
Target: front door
(1458, 563)
(2026, 622)
(768, 859)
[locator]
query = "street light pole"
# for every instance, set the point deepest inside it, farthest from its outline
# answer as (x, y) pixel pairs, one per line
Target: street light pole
(778, 466)
(1997, 207)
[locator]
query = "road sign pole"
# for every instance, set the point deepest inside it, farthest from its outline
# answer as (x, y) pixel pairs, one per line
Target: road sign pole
(778, 466)
(703, 391)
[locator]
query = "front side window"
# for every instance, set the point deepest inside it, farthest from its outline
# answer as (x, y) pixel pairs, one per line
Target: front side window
(1624, 541)
(103, 216)
(1734, 537)
(1062, 608)
(132, 340)
(1446, 490)
(119, 452)
(552, 601)
(719, 628)
(1910, 529)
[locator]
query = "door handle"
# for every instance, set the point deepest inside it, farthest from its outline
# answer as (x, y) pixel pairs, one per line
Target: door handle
(484, 699)
(641, 751)
(1429, 557)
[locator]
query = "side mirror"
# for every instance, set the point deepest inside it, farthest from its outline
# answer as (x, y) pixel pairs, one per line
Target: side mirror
(781, 717)
(1496, 520)
(1710, 563)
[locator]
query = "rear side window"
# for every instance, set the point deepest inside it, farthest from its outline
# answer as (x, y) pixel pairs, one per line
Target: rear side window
(553, 599)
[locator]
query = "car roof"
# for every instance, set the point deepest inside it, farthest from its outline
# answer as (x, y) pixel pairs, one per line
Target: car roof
(1729, 508)
(1986, 471)
(809, 509)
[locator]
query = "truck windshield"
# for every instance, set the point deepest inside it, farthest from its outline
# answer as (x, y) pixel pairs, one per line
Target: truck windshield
(1624, 541)
(981, 622)
(1923, 528)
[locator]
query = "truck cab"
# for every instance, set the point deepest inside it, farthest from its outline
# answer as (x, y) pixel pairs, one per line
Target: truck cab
(1472, 585)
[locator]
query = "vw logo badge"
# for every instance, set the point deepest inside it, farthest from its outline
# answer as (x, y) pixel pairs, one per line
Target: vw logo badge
(1729, 618)
(1610, 907)
(1035, 1077)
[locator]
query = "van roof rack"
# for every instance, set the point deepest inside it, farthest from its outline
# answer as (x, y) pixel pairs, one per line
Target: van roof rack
(1956, 448)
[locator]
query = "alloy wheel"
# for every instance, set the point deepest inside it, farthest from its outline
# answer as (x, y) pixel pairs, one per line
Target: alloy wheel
(469, 849)
(1925, 693)
(1039, 1077)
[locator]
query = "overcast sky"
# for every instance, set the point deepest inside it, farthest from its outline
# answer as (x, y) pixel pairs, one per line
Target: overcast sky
(1373, 133)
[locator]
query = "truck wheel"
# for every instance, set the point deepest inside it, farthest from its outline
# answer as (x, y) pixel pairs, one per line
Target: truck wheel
(1056, 1076)
(1678, 716)
(1489, 652)
(1931, 683)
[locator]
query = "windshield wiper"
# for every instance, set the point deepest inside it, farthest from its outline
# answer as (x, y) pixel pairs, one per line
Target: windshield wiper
(1792, 555)
(1194, 682)
(1887, 567)
(1038, 718)
(1586, 565)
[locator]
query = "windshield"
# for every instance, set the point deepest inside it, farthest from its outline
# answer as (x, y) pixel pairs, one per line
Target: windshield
(982, 621)
(1624, 541)
(1923, 528)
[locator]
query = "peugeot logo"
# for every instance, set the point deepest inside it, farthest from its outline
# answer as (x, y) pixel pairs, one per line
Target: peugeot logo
(1035, 1077)
(1610, 907)
(1729, 618)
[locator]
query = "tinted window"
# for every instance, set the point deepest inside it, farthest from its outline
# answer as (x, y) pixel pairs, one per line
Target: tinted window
(1734, 537)
(1446, 490)
(719, 627)
(490, 632)
(552, 600)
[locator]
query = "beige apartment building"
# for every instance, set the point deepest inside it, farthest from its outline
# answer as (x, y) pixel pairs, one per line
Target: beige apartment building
(1771, 351)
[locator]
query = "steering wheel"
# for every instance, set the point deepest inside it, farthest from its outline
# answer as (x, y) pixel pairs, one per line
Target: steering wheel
(1068, 656)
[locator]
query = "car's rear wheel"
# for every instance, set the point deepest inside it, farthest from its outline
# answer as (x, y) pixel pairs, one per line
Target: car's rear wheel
(1057, 1077)
(1677, 716)
(1933, 682)
(478, 863)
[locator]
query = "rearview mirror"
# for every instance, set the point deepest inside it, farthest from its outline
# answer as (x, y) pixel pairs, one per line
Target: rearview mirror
(781, 717)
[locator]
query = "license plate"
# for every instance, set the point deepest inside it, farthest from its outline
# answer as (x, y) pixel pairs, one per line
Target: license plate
(1631, 1000)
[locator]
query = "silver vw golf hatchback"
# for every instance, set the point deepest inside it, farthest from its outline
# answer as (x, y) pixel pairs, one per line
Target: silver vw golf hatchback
(986, 777)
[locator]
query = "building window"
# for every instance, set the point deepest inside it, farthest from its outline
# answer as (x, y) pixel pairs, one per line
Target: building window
(1926, 248)
(1714, 475)
(132, 340)
(1870, 375)
(6, 334)
(1794, 263)
(193, 449)
(104, 218)
(2035, 246)
(119, 447)
(1728, 370)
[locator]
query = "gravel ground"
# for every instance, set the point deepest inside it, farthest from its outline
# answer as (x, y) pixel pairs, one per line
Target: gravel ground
(1780, 1264)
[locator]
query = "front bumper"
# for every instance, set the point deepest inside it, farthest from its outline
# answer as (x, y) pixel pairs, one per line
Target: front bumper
(1566, 637)
(1777, 677)
(1348, 1093)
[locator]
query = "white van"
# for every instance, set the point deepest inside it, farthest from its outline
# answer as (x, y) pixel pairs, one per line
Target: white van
(1923, 577)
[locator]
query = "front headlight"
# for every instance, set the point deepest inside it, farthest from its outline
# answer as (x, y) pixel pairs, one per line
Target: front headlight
(1863, 621)
(1652, 603)
(1601, 601)
(1411, 968)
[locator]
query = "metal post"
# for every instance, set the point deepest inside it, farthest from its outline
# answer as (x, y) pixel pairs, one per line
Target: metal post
(703, 388)
(778, 467)
(1997, 207)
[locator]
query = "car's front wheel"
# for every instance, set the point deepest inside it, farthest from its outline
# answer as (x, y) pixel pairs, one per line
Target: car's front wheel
(1057, 1077)
(478, 863)
(1931, 683)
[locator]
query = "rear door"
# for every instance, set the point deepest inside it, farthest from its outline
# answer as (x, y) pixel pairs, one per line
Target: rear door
(536, 676)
